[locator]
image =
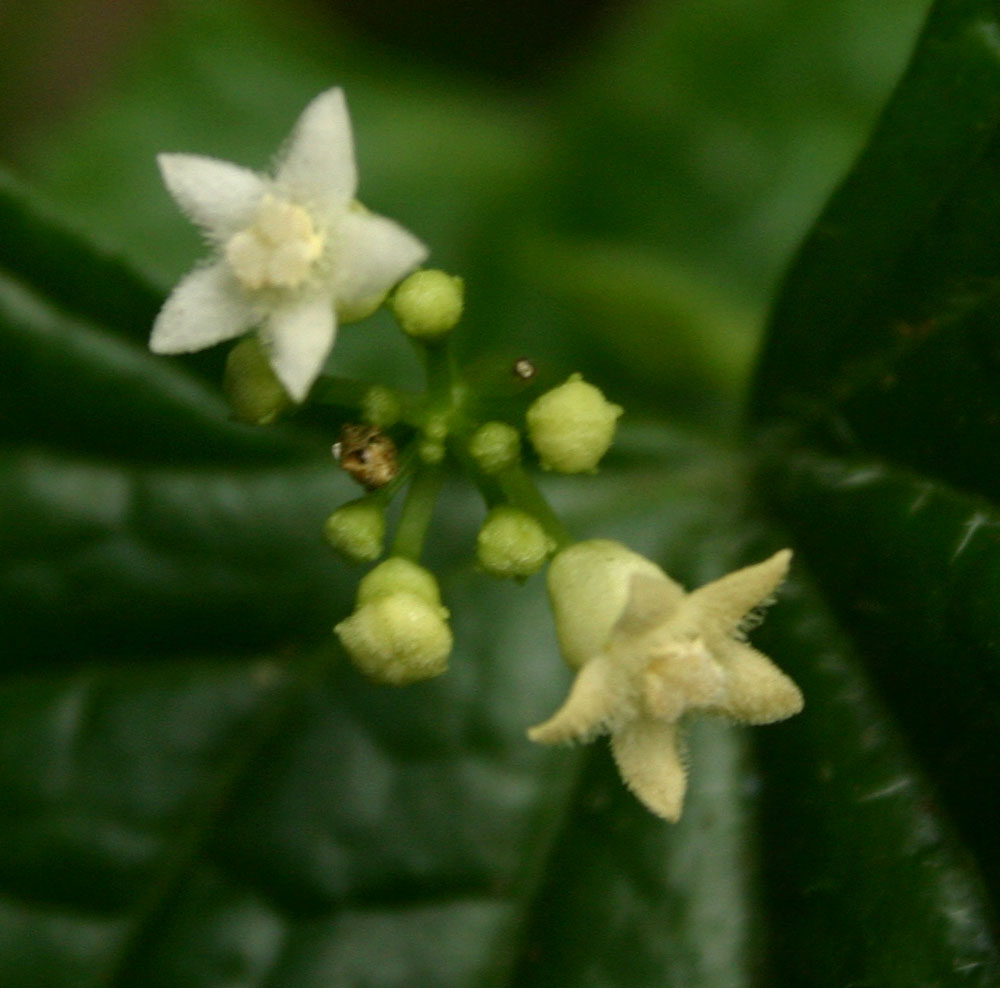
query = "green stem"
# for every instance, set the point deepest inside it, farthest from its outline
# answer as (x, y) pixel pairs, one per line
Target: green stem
(514, 486)
(385, 495)
(418, 509)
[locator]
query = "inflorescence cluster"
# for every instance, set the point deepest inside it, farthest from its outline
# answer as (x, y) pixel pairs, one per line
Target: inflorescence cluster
(293, 256)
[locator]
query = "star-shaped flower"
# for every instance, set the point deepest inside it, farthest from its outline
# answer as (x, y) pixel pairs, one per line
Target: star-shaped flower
(294, 254)
(648, 654)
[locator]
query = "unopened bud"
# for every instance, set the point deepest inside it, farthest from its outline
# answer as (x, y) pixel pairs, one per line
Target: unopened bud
(572, 426)
(589, 585)
(512, 544)
(495, 446)
(436, 428)
(356, 310)
(398, 575)
(255, 394)
(381, 407)
(431, 452)
(357, 531)
(397, 639)
(428, 304)
(399, 631)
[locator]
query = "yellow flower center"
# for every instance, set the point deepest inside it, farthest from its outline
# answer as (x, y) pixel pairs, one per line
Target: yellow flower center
(277, 250)
(682, 677)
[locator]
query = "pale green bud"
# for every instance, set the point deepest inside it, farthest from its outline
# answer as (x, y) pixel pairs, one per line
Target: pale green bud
(357, 531)
(436, 427)
(495, 446)
(428, 304)
(431, 448)
(431, 452)
(355, 311)
(589, 586)
(572, 426)
(397, 639)
(398, 575)
(255, 394)
(512, 544)
(381, 407)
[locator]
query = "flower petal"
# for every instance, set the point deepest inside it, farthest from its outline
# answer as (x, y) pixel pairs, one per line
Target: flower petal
(369, 256)
(589, 585)
(722, 606)
(651, 601)
(218, 196)
(317, 168)
(647, 755)
(205, 308)
(683, 677)
(298, 338)
(595, 701)
(757, 691)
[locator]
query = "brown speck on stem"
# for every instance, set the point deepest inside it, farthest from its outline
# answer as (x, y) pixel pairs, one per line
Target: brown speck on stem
(367, 454)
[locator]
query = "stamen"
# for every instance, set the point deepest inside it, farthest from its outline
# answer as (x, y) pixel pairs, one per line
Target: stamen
(278, 250)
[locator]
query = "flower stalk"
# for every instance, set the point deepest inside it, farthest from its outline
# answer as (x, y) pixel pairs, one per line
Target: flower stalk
(418, 511)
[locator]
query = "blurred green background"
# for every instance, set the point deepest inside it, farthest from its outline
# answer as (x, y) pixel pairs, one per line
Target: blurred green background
(621, 184)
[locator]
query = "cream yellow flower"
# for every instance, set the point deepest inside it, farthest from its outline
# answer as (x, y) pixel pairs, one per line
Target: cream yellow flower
(649, 654)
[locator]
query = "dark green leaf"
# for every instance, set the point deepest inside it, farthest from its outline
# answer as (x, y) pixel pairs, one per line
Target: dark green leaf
(878, 396)
(866, 882)
(67, 268)
(135, 406)
(883, 338)
(102, 559)
(914, 569)
(110, 778)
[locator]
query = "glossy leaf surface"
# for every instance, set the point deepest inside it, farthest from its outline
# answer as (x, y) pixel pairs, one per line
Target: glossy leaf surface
(877, 395)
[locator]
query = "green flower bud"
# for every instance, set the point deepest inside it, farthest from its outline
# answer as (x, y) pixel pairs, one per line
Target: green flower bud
(356, 311)
(431, 452)
(381, 407)
(495, 446)
(398, 575)
(398, 632)
(357, 531)
(436, 427)
(589, 586)
(572, 426)
(428, 304)
(397, 639)
(255, 395)
(512, 544)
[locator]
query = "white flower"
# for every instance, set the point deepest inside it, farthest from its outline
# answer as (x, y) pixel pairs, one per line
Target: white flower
(295, 254)
(648, 654)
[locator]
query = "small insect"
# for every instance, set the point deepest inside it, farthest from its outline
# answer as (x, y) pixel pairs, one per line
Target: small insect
(524, 369)
(367, 454)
